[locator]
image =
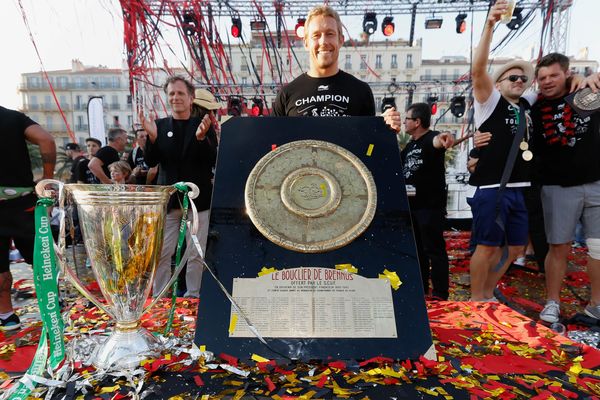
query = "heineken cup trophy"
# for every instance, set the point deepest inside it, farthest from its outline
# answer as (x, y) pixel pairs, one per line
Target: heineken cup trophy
(122, 228)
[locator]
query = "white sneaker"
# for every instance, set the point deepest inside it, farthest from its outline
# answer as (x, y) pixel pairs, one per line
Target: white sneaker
(551, 312)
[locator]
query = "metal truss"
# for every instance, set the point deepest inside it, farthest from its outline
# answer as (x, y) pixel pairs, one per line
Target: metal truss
(344, 7)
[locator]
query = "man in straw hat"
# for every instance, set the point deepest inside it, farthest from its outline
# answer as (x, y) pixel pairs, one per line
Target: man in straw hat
(499, 217)
(185, 146)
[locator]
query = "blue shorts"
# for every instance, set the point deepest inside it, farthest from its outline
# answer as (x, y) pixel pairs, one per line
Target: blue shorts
(513, 214)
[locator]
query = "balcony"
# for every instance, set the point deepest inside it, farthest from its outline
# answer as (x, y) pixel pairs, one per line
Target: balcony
(43, 86)
(83, 127)
(394, 65)
(442, 78)
(348, 67)
(115, 106)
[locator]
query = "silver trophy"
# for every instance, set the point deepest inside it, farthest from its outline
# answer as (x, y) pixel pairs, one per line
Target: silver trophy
(122, 228)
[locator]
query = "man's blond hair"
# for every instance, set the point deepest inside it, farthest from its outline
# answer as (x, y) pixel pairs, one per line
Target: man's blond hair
(325, 11)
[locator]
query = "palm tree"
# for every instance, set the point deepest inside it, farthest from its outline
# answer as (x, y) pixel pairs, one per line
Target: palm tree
(61, 170)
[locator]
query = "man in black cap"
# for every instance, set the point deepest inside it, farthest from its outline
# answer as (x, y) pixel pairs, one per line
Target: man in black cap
(73, 151)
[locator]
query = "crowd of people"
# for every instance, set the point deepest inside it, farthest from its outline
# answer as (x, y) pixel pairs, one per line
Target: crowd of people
(530, 148)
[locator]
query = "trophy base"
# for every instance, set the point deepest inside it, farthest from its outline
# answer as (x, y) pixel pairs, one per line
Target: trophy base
(125, 349)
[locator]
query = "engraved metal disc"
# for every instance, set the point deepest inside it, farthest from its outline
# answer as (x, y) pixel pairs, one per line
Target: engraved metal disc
(524, 145)
(587, 100)
(310, 196)
(527, 155)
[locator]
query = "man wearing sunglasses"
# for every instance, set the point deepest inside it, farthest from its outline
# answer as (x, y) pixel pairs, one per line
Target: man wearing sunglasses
(499, 217)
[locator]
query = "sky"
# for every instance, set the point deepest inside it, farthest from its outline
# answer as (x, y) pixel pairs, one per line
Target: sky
(92, 31)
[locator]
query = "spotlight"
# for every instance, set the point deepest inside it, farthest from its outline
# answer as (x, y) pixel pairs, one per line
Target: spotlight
(258, 25)
(432, 101)
(257, 107)
(387, 26)
(300, 28)
(234, 106)
(461, 24)
(517, 19)
(433, 23)
(189, 23)
(236, 27)
(370, 23)
(457, 106)
(387, 103)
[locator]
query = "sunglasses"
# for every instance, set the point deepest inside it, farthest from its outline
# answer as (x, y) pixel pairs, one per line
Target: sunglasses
(514, 78)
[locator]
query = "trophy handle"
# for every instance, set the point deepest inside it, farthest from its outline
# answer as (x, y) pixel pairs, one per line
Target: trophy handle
(192, 228)
(42, 191)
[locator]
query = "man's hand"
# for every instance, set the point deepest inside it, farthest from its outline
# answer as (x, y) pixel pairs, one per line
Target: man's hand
(203, 128)
(444, 139)
(592, 81)
(496, 12)
(481, 139)
(472, 164)
(149, 125)
(393, 119)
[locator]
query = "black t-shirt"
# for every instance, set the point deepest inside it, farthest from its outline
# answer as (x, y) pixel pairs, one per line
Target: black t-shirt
(423, 168)
(568, 146)
(107, 155)
(339, 95)
(503, 124)
(84, 174)
(75, 169)
(14, 163)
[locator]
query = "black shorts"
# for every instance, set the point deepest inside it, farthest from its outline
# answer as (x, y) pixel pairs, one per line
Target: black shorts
(17, 223)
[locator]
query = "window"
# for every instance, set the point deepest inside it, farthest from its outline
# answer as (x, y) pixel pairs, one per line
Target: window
(348, 64)
(428, 74)
(244, 80)
(116, 82)
(444, 75)
(130, 120)
(114, 102)
(394, 63)
(49, 122)
(363, 61)
(409, 62)
(33, 99)
(455, 74)
(377, 104)
(129, 99)
(244, 64)
(378, 61)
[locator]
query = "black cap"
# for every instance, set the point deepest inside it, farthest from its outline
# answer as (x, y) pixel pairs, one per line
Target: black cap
(72, 146)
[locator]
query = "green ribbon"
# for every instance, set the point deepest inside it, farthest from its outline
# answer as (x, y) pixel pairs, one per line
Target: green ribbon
(37, 368)
(45, 278)
(182, 187)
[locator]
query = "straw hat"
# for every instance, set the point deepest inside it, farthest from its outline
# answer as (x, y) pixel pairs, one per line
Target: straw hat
(525, 66)
(205, 99)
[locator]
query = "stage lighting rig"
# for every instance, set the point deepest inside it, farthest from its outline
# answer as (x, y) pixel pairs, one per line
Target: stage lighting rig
(370, 23)
(433, 23)
(458, 106)
(300, 28)
(517, 19)
(257, 107)
(461, 24)
(387, 26)
(236, 27)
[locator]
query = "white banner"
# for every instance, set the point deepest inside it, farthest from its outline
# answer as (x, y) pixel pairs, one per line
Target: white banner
(96, 119)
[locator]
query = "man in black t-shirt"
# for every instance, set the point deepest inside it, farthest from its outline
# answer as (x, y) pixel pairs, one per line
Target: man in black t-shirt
(136, 159)
(568, 145)
(17, 197)
(498, 219)
(73, 151)
(84, 175)
(423, 167)
(325, 90)
(98, 165)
